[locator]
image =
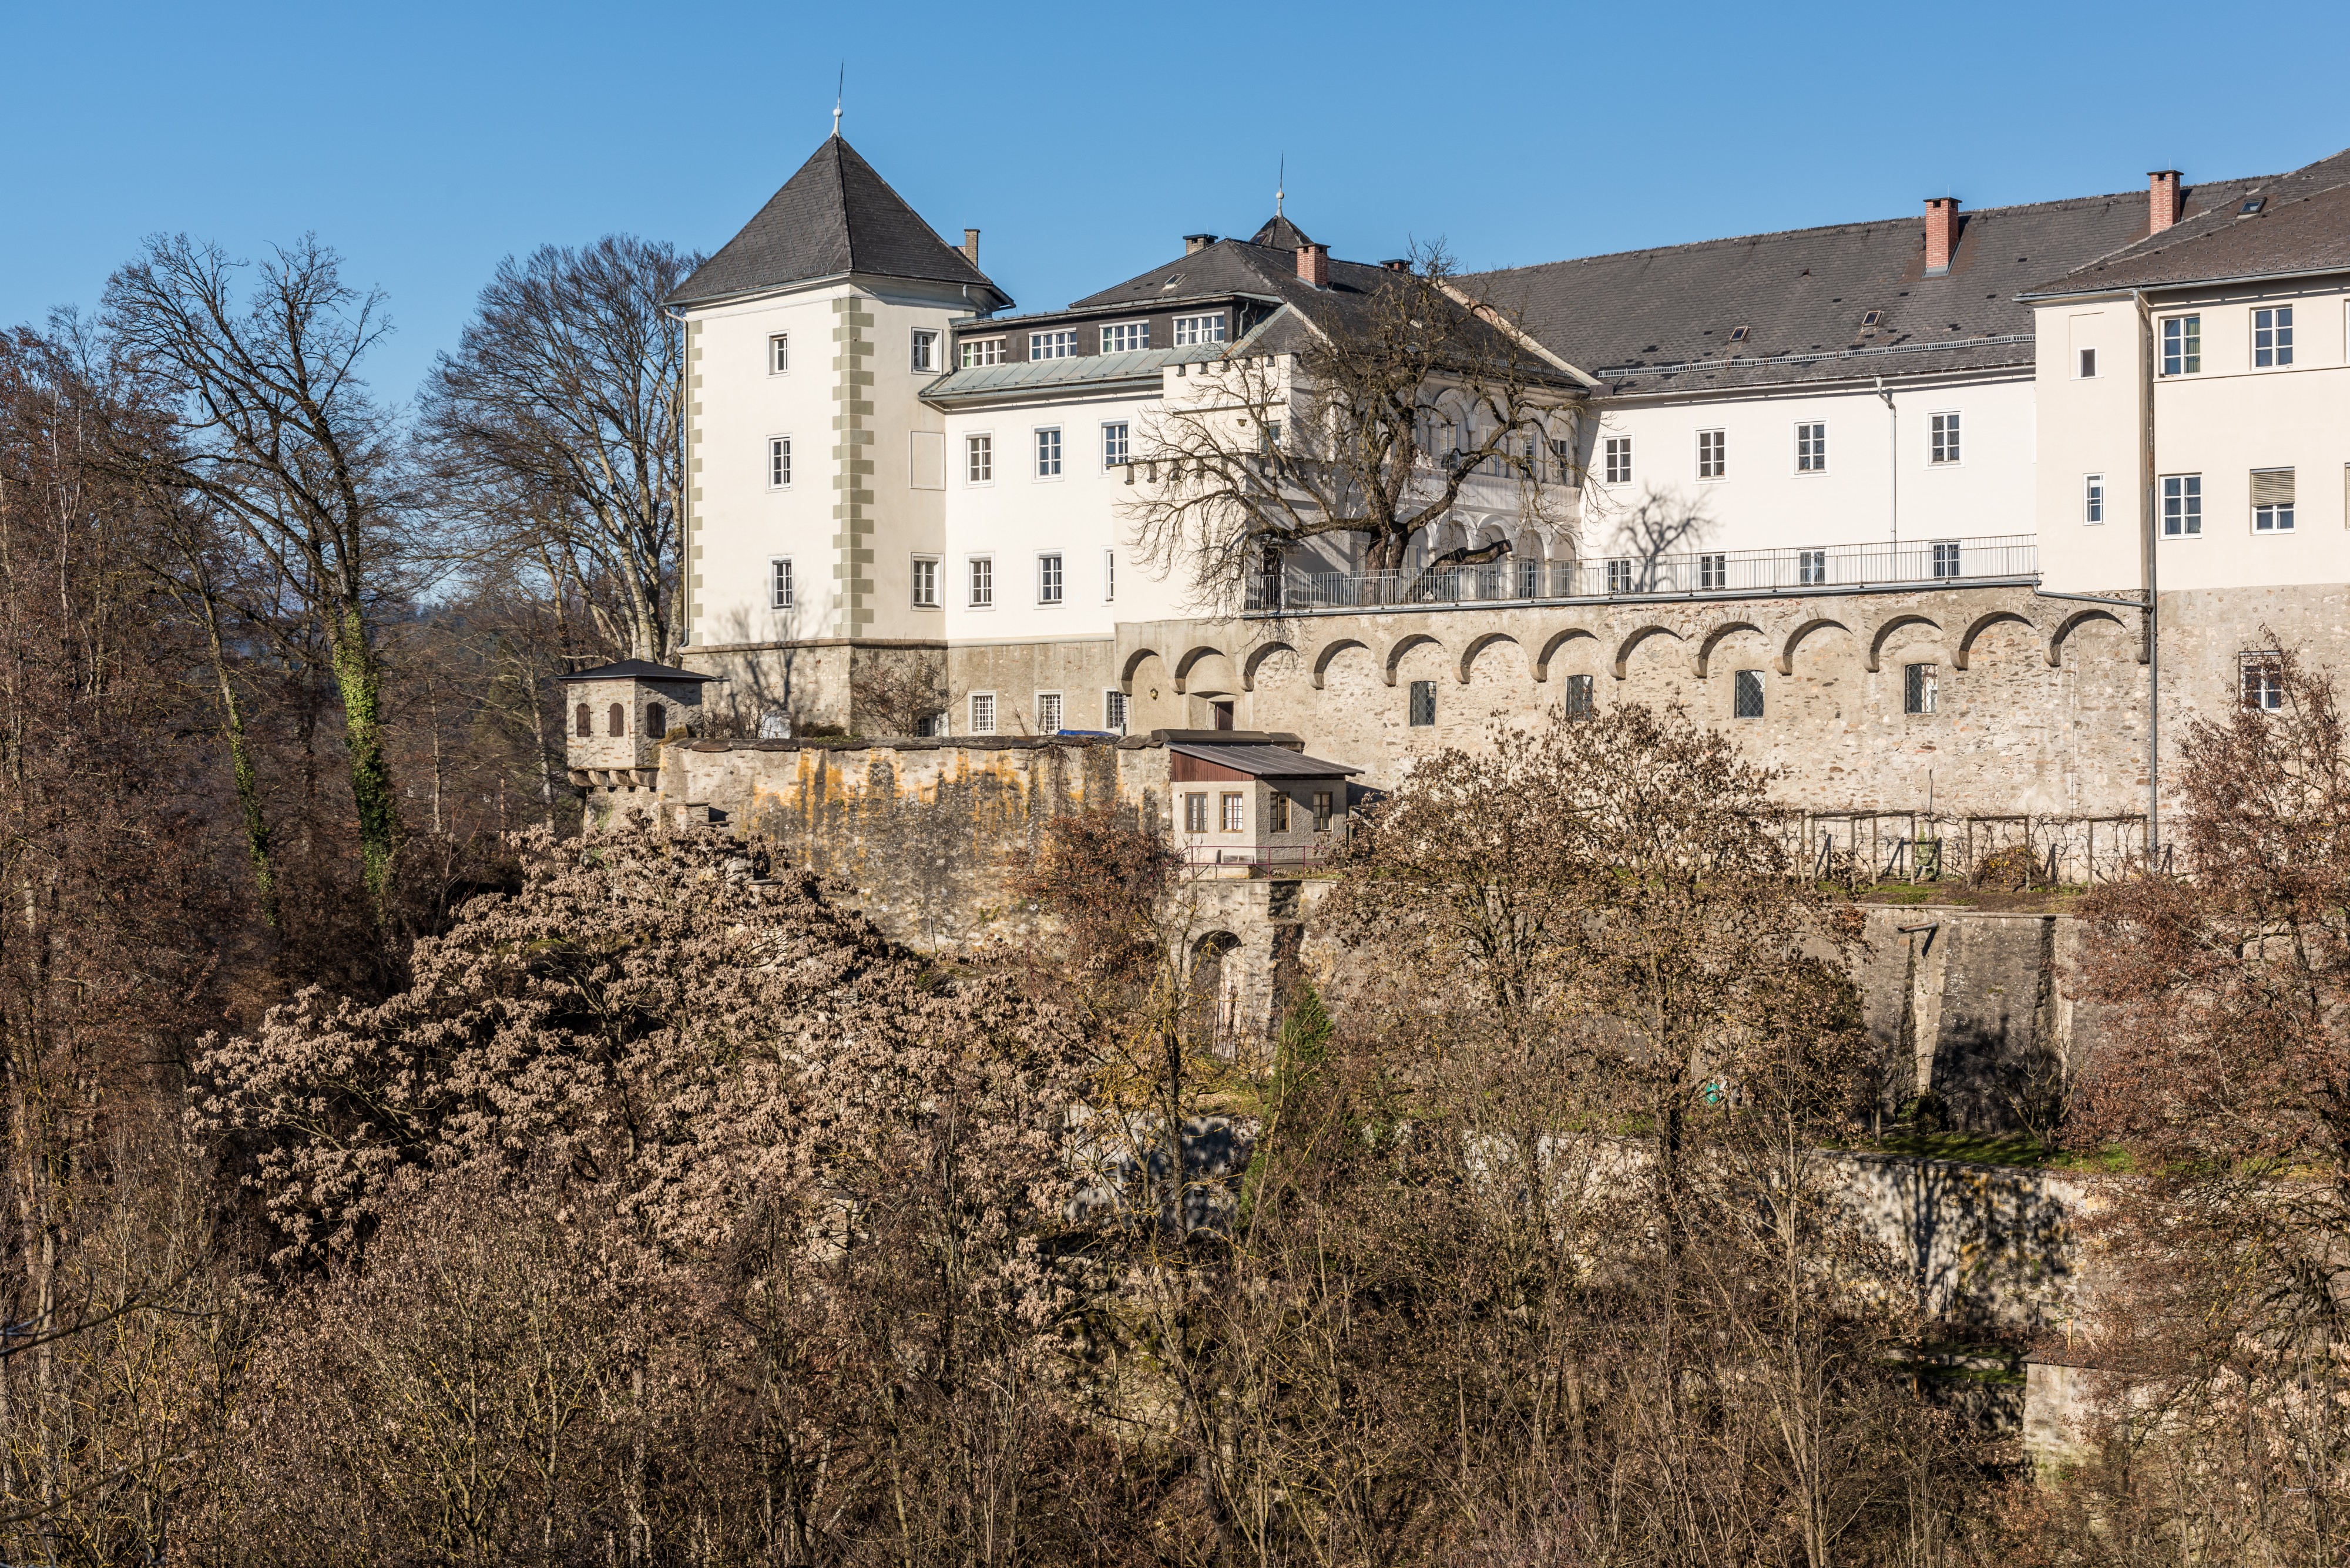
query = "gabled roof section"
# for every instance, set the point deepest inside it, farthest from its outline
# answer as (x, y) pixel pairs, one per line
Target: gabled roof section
(1661, 320)
(2302, 226)
(634, 670)
(837, 215)
(1280, 234)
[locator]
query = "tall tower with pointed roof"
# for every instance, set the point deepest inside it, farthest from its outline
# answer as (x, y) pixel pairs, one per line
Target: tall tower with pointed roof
(815, 472)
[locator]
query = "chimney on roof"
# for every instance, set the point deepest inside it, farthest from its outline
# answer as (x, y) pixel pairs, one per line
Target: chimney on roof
(1941, 232)
(1194, 244)
(1396, 264)
(2161, 200)
(1313, 264)
(970, 247)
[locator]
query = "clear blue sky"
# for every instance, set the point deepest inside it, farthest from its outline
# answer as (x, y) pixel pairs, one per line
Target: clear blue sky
(424, 141)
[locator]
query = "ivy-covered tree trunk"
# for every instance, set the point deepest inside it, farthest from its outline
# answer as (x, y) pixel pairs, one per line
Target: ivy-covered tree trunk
(359, 677)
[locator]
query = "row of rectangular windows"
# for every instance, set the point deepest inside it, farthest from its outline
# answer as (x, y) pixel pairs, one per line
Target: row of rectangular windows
(2272, 503)
(1116, 338)
(1049, 710)
(1942, 431)
(1052, 580)
(979, 454)
(1231, 814)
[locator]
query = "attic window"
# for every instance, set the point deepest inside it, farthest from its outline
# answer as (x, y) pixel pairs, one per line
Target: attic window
(1738, 334)
(1871, 318)
(1172, 281)
(2254, 205)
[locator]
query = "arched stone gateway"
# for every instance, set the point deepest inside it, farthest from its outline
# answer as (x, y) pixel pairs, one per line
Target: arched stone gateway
(1215, 980)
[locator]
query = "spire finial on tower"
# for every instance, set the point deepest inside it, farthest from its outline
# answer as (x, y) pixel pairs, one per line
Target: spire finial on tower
(1278, 192)
(836, 91)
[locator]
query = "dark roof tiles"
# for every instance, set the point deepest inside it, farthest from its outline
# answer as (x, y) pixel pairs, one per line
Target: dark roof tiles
(2302, 224)
(837, 215)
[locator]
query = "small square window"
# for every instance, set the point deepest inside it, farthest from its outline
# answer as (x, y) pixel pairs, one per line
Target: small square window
(779, 583)
(779, 463)
(1048, 713)
(1944, 435)
(1235, 811)
(2086, 364)
(1109, 576)
(1946, 558)
(1048, 453)
(982, 351)
(1619, 577)
(2182, 505)
(1053, 344)
(926, 350)
(1919, 684)
(779, 354)
(1423, 703)
(1618, 459)
(1048, 578)
(1713, 454)
(1195, 812)
(2093, 498)
(1746, 695)
(982, 582)
(1125, 336)
(978, 460)
(1276, 812)
(983, 712)
(2261, 674)
(1116, 444)
(1812, 448)
(1578, 701)
(1114, 712)
(2273, 335)
(926, 582)
(1712, 573)
(2183, 344)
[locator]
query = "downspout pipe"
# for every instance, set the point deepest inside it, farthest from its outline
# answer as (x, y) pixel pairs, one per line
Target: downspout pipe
(2149, 513)
(1893, 464)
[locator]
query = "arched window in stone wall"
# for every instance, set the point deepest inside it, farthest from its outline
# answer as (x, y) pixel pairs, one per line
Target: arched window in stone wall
(620, 722)
(584, 721)
(656, 721)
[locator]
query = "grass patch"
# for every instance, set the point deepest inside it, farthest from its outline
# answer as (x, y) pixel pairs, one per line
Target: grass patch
(1999, 1148)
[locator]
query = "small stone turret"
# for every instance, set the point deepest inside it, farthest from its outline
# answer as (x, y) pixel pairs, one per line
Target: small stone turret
(618, 716)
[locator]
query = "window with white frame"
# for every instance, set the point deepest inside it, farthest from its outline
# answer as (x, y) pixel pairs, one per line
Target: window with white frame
(779, 583)
(983, 712)
(926, 582)
(779, 463)
(2260, 675)
(1946, 558)
(979, 352)
(2093, 498)
(982, 582)
(2182, 505)
(2272, 501)
(1048, 453)
(1920, 687)
(1713, 454)
(1190, 329)
(1125, 337)
(925, 349)
(1048, 577)
(1811, 567)
(1061, 345)
(978, 460)
(1616, 459)
(1942, 435)
(1109, 576)
(1619, 577)
(1114, 712)
(779, 354)
(2084, 364)
(2183, 344)
(2273, 335)
(1048, 713)
(1812, 447)
(1712, 572)
(1117, 444)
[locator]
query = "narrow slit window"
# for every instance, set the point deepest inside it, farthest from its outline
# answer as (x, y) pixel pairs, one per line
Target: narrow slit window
(2093, 498)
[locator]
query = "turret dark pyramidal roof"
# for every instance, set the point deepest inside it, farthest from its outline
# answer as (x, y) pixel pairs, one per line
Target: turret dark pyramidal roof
(835, 216)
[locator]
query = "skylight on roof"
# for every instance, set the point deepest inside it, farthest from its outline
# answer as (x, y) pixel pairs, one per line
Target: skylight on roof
(1172, 281)
(2251, 206)
(1738, 334)
(1871, 318)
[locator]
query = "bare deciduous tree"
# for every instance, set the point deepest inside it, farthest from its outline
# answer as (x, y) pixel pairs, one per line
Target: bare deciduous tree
(1361, 437)
(560, 413)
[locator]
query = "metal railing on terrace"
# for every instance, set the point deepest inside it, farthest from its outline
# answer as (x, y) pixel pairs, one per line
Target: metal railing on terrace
(1701, 574)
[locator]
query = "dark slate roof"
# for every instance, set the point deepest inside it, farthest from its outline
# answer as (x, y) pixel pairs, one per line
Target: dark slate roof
(634, 670)
(2302, 225)
(835, 216)
(1265, 762)
(1280, 234)
(1661, 320)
